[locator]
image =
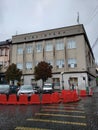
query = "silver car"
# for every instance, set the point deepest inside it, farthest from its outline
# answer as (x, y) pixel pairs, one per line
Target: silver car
(26, 89)
(47, 88)
(4, 89)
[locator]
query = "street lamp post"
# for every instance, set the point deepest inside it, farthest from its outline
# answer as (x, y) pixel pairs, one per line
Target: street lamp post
(62, 80)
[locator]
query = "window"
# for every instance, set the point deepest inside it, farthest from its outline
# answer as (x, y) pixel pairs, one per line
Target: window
(2, 52)
(73, 80)
(29, 65)
(29, 49)
(20, 66)
(38, 47)
(6, 52)
(72, 63)
(36, 63)
(59, 44)
(49, 46)
(71, 44)
(50, 62)
(60, 63)
(1, 63)
(20, 50)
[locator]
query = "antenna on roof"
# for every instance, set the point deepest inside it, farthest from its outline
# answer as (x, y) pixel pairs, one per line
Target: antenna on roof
(78, 18)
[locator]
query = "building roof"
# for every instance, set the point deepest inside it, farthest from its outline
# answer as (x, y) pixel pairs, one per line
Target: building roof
(52, 33)
(7, 42)
(49, 34)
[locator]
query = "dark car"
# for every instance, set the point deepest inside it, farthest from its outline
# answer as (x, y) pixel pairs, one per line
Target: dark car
(37, 89)
(13, 89)
(4, 89)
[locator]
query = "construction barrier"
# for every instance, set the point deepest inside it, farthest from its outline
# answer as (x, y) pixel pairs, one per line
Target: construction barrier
(69, 96)
(90, 92)
(55, 97)
(35, 99)
(23, 99)
(12, 99)
(46, 98)
(83, 93)
(3, 99)
(75, 96)
(65, 96)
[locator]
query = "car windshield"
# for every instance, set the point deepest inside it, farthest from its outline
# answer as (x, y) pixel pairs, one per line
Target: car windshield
(57, 84)
(26, 87)
(48, 86)
(35, 87)
(4, 87)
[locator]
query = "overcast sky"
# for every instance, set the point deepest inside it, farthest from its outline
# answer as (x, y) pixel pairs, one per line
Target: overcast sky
(25, 16)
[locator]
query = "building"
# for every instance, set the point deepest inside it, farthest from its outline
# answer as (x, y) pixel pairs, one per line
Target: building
(67, 49)
(97, 75)
(4, 59)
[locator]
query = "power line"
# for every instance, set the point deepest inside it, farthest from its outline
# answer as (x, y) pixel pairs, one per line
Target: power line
(95, 43)
(92, 15)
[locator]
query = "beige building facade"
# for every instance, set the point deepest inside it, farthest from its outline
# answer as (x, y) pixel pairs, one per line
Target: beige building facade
(4, 59)
(67, 49)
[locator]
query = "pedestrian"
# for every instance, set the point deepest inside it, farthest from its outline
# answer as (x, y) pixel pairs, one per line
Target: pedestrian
(72, 86)
(77, 89)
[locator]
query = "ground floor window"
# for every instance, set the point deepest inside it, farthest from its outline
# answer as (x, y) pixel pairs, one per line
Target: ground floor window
(73, 82)
(56, 83)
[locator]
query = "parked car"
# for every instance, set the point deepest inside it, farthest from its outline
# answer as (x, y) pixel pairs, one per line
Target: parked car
(13, 89)
(47, 88)
(26, 89)
(37, 89)
(4, 89)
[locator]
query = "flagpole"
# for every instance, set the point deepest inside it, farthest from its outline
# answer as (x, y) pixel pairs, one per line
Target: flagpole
(78, 18)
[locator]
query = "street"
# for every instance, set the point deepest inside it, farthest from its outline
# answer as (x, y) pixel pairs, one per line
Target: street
(81, 115)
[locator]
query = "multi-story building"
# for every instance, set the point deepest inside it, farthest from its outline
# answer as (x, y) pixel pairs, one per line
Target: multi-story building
(4, 58)
(67, 49)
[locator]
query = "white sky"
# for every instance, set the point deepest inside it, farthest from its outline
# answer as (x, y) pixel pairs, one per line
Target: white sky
(25, 16)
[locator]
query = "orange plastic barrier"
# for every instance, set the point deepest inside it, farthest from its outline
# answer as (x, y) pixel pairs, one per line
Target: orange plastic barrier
(3, 99)
(83, 93)
(63, 93)
(46, 98)
(55, 97)
(35, 99)
(66, 98)
(12, 99)
(75, 96)
(23, 99)
(90, 92)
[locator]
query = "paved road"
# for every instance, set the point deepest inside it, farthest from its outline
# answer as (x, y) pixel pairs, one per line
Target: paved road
(82, 115)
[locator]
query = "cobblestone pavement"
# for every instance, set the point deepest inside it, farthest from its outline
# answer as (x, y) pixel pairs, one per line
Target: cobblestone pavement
(82, 115)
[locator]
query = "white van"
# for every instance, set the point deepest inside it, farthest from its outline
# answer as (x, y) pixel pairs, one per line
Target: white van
(47, 88)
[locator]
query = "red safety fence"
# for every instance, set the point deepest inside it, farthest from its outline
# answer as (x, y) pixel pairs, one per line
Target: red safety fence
(23, 99)
(90, 92)
(64, 96)
(12, 99)
(55, 97)
(83, 93)
(69, 96)
(46, 99)
(3, 99)
(35, 99)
